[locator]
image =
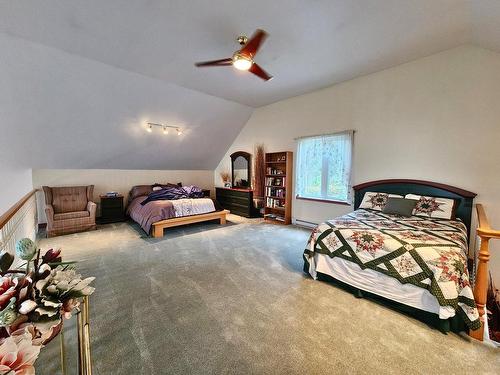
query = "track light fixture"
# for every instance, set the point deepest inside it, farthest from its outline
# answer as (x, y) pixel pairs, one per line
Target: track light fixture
(165, 128)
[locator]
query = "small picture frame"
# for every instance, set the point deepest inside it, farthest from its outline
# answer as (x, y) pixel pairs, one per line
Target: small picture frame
(227, 184)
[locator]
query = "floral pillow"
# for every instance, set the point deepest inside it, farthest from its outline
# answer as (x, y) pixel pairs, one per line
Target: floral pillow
(433, 206)
(376, 201)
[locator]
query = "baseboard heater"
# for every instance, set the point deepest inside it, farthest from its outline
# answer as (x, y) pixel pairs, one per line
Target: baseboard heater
(304, 223)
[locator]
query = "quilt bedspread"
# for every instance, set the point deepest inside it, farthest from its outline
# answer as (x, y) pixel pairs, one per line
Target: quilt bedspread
(429, 253)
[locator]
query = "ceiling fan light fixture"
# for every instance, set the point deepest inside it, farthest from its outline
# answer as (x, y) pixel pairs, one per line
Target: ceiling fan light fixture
(242, 62)
(242, 59)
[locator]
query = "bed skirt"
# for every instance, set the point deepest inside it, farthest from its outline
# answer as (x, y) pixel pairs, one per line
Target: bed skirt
(454, 324)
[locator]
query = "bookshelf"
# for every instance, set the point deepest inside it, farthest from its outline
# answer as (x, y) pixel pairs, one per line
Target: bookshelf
(278, 187)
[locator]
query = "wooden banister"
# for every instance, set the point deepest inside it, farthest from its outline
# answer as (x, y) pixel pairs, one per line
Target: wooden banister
(485, 233)
(16, 207)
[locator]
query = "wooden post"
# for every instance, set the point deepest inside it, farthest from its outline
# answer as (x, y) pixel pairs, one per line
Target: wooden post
(157, 231)
(223, 219)
(485, 233)
(83, 329)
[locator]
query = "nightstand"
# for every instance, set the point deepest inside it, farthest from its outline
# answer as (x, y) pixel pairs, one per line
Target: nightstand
(111, 209)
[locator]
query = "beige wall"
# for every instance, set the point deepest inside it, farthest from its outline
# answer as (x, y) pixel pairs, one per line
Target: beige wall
(115, 180)
(16, 183)
(436, 118)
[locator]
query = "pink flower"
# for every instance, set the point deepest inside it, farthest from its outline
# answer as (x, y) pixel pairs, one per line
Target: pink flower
(18, 354)
(7, 290)
(13, 287)
(41, 333)
(68, 307)
(52, 256)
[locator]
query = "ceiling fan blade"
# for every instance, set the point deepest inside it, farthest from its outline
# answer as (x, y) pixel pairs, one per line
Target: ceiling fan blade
(221, 62)
(254, 43)
(258, 71)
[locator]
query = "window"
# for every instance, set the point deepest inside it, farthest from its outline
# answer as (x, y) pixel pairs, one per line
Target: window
(324, 167)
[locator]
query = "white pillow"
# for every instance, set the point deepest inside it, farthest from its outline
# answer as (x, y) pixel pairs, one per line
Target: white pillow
(376, 201)
(156, 188)
(433, 206)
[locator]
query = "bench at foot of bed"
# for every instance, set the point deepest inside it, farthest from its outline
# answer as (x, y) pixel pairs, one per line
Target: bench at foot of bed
(160, 225)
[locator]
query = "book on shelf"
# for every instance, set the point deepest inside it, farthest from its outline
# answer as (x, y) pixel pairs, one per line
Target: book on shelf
(270, 170)
(273, 158)
(277, 192)
(274, 203)
(276, 181)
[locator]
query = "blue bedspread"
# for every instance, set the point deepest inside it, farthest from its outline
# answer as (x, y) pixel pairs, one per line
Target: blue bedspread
(173, 193)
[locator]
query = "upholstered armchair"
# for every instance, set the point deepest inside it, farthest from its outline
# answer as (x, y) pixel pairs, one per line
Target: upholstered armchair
(69, 209)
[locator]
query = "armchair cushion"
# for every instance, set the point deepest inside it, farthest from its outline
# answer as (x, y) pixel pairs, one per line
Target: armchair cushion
(69, 199)
(71, 215)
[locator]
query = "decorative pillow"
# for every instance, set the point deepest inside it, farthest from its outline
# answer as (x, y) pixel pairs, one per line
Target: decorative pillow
(140, 190)
(433, 206)
(168, 184)
(376, 201)
(399, 206)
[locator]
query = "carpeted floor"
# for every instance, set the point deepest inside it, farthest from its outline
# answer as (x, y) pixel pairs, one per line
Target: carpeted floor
(210, 299)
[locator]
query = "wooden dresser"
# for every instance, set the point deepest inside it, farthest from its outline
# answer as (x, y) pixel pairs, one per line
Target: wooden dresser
(238, 201)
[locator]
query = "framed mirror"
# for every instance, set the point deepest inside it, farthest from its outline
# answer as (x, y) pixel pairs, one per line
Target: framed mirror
(241, 170)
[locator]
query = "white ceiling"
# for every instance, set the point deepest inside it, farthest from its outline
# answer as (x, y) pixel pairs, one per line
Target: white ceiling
(65, 105)
(312, 44)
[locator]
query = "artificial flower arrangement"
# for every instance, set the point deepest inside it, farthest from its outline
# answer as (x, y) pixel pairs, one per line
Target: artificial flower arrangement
(33, 303)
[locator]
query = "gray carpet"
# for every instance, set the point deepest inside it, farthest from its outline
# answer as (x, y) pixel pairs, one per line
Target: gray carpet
(208, 299)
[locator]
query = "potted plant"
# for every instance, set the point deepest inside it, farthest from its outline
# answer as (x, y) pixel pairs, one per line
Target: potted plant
(34, 301)
(226, 178)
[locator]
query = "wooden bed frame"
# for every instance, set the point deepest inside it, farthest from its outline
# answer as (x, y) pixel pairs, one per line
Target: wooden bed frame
(159, 226)
(485, 233)
(464, 209)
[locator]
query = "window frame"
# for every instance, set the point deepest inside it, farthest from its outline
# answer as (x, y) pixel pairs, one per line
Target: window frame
(324, 173)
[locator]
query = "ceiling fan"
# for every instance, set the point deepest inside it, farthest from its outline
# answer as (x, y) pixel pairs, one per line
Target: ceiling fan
(243, 58)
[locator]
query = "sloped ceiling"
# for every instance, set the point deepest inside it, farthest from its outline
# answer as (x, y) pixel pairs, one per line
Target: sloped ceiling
(63, 111)
(76, 110)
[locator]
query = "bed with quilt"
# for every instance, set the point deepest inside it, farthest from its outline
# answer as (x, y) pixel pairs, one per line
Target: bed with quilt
(152, 204)
(403, 246)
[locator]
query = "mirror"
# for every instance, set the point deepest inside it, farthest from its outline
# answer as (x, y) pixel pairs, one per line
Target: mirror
(240, 168)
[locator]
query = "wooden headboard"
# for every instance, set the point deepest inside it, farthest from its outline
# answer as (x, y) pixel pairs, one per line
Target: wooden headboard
(463, 198)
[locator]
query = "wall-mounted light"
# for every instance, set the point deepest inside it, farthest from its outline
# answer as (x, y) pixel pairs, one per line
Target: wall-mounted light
(164, 127)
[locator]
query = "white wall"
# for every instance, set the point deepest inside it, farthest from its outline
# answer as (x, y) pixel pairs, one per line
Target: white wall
(15, 183)
(436, 118)
(115, 180)
(59, 111)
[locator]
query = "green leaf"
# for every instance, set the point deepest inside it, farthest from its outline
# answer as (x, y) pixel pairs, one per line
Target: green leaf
(6, 260)
(61, 263)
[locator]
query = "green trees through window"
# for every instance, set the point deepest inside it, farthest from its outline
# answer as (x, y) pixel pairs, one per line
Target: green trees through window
(324, 167)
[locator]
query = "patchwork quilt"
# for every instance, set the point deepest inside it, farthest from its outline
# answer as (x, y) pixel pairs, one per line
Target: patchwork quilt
(429, 253)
